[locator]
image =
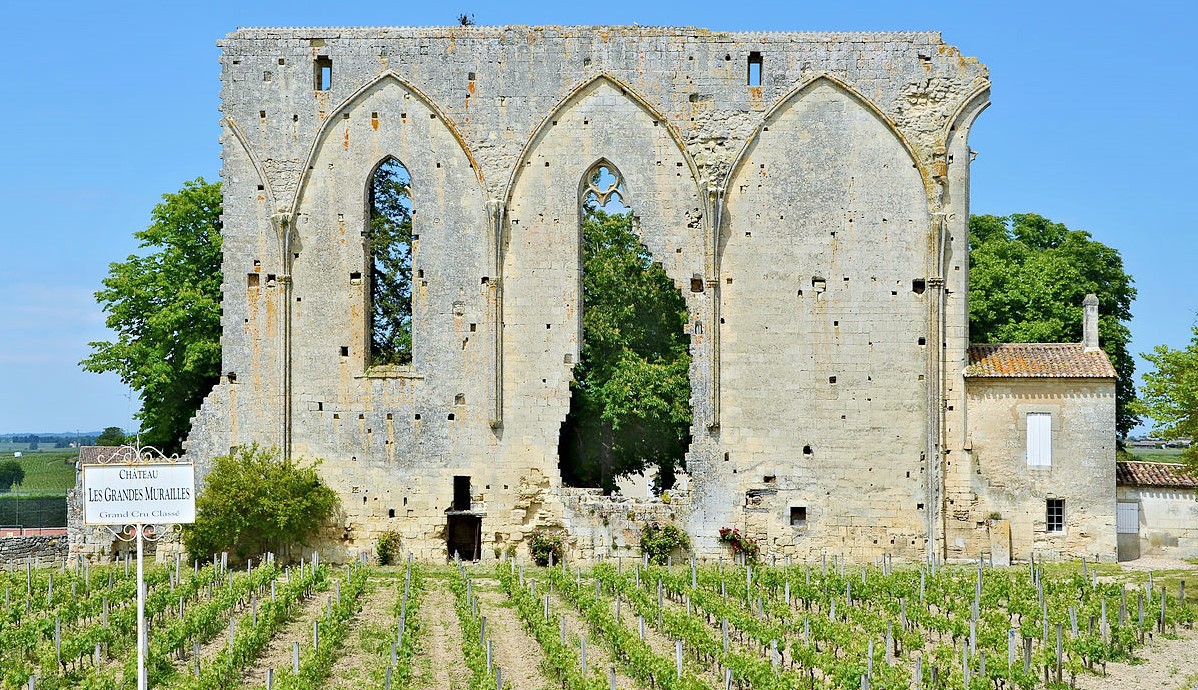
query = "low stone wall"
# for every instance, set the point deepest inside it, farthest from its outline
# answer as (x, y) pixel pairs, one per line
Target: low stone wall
(20, 548)
(1168, 524)
(610, 526)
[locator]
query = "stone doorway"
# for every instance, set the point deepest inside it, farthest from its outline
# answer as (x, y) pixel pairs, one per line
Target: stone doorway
(464, 535)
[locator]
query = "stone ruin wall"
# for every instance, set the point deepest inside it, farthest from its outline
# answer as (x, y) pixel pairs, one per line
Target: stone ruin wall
(815, 224)
(36, 549)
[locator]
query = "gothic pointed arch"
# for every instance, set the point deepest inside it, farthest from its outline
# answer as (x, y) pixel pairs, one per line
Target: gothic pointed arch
(805, 86)
(441, 303)
(387, 245)
(604, 181)
(970, 107)
(263, 179)
(580, 90)
(380, 81)
(629, 408)
(825, 293)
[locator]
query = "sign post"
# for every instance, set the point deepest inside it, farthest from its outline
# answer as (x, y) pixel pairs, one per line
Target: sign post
(146, 494)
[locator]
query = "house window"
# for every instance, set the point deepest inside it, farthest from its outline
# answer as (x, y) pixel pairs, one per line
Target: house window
(798, 516)
(1054, 518)
(1127, 517)
(1039, 439)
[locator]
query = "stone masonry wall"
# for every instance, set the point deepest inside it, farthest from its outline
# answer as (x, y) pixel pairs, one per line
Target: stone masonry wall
(1082, 470)
(1168, 520)
(807, 220)
(37, 547)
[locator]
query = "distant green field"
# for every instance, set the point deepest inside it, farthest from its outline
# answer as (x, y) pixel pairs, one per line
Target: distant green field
(1157, 454)
(7, 449)
(51, 472)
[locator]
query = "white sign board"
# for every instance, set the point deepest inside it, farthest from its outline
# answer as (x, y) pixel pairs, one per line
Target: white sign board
(153, 493)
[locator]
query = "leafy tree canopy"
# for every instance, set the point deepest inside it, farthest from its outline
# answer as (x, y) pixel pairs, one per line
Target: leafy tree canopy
(112, 436)
(11, 474)
(165, 309)
(254, 501)
(1170, 394)
(630, 406)
(1027, 279)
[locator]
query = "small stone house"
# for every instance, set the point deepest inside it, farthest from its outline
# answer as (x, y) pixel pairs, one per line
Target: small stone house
(1157, 510)
(1041, 434)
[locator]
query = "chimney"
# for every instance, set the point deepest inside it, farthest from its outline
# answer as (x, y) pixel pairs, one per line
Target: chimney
(1090, 323)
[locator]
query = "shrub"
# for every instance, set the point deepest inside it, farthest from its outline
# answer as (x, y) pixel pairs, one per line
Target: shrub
(740, 543)
(11, 474)
(659, 539)
(254, 501)
(389, 547)
(542, 542)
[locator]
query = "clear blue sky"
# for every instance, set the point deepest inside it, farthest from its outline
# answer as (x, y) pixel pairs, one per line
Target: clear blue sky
(111, 105)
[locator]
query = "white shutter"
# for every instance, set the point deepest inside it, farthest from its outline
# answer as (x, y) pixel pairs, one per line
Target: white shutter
(1127, 517)
(1039, 439)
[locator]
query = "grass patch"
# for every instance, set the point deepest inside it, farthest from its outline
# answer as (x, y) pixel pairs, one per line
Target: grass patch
(47, 473)
(1156, 454)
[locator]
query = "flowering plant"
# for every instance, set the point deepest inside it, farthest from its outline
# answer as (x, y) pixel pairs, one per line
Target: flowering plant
(740, 543)
(543, 542)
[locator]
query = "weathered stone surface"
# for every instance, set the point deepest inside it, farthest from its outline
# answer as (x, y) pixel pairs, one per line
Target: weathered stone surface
(809, 306)
(1168, 521)
(1000, 542)
(41, 548)
(815, 224)
(1082, 472)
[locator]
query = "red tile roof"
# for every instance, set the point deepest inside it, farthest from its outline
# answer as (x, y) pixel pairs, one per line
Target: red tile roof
(1155, 474)
(1037, 360)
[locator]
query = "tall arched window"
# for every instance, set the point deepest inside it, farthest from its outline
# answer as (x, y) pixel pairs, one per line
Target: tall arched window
(389, 260)
(603, 191)
(630, 398)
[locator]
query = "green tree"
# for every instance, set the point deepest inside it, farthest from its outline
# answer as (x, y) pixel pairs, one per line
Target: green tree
(165, 309)
(254, 501)
(1170, 394)
(112, 436)
(11, 474)
(1027, 279)
(630, 403)
(389, 244)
